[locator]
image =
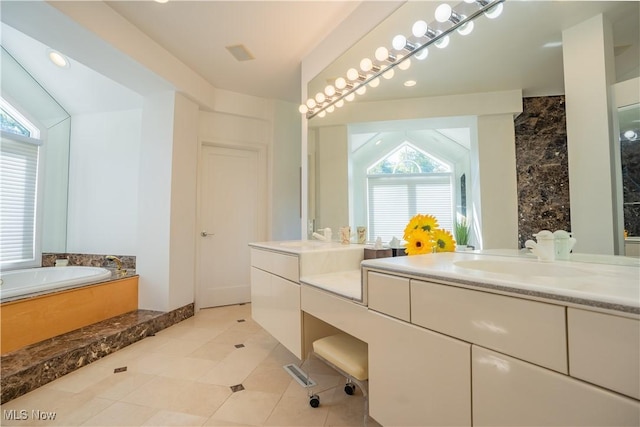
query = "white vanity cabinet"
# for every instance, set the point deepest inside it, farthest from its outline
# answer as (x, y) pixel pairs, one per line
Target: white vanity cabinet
(495, 359)
(511, 392)
(417, 377)
(275, 297)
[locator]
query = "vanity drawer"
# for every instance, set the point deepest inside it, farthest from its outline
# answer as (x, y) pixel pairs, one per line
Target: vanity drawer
(282, 265)
(528, 330)
(605, 350)
(389, 295)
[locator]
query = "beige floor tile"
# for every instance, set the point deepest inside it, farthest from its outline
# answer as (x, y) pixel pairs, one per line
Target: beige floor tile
(76, 409)
(188, 368)
(158, 393)
(119, 384)
(200, 399)
(268, 377)
(42, 398)
(235, 367)
(168, 418)
(213, 350)
(247, 407)
(185, 332)
(293, 410)
(80, 379)
(121, 414)
(179, 347)
(344, 409)
(151, 363)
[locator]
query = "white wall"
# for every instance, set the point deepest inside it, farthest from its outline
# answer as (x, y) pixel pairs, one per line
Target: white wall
(588, 78)
(285, 223)
(103, 183)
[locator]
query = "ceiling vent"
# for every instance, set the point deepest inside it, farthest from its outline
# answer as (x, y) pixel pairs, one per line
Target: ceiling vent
(240, 52)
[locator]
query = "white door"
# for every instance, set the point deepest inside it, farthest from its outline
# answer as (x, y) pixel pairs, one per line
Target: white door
(230, 211)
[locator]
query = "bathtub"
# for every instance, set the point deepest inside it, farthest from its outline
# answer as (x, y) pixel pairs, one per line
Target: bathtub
(17, 283)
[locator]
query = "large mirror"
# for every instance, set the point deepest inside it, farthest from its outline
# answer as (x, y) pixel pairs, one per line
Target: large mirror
(455, 107)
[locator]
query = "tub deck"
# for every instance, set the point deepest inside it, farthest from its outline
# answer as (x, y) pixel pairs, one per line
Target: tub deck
(30, 320)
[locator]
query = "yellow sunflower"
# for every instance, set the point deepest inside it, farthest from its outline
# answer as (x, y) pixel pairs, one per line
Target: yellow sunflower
(419, 221)
(444, 241)
(419, 242)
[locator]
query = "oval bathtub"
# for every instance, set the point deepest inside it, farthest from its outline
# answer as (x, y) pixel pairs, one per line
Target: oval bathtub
(28, 281)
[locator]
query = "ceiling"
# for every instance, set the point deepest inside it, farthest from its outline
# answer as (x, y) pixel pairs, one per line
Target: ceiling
(277, 33)
(500, 54)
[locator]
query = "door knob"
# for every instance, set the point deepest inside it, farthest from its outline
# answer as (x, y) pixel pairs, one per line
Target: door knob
(205, 234)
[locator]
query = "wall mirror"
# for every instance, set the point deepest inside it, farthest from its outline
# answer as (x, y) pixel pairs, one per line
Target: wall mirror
(521, 50)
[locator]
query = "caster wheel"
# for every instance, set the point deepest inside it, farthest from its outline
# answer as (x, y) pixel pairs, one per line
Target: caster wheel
(350, 389)
(314, 401)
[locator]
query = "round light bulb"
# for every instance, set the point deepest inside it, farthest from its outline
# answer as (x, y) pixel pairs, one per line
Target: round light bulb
(443, 12)
(330, 109)
(399, 42)
(388, 74)
(330, 90)
(350, 97)
(59, 59)
(303, 109)
(469, 1)
(630, 135)
(494, 12)
(466, 29)
(339, 104)
(320, 97)
(424, 52)
(311, 103)
(410, 83)
(375, 82)
(442, 43)
(361, 90)
(382, 53)
(352, 74)
(341, 83)
(366, 64)
(419, 29)
(322, 113)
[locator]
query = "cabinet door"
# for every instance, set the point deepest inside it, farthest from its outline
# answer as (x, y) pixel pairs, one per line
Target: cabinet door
(510, 392)
(417, 377)
(605, 350)
(389, 295)
(275, 305)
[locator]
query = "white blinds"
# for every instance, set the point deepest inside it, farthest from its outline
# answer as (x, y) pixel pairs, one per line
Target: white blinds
(18, 178)
(393, 200)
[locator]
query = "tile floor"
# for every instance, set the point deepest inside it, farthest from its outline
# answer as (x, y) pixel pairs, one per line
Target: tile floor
(183, 376)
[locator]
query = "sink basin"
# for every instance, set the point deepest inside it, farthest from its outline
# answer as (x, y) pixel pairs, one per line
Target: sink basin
(520, 268)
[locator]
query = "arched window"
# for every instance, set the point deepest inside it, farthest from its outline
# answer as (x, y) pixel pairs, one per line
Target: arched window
(406, 182)
(19, 157)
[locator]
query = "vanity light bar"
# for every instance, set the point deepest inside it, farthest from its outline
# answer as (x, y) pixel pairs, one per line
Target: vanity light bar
(385, 66)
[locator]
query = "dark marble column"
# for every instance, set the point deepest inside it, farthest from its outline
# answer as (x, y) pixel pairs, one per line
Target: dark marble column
(542, 167)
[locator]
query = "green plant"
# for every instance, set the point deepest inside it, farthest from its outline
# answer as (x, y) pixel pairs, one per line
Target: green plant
(462, 232)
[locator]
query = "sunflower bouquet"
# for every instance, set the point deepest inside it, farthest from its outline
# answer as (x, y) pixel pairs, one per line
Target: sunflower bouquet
(424, 237)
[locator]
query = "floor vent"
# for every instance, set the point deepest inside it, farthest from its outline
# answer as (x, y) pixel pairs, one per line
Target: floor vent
(299, 375)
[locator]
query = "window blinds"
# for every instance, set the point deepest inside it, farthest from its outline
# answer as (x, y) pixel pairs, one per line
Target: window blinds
(393, 200)
(18, 184)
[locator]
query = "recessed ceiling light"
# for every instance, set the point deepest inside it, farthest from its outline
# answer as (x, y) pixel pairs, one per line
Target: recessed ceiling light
(59, 59)
(552, 44)
(410, 83)
(161, 1)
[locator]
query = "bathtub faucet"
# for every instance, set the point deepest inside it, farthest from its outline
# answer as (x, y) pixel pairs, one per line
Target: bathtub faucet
(116, 260)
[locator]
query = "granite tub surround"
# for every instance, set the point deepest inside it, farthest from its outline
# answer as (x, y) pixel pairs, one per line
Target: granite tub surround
(608, 287)
(89, 260)
(542, 167)
(30, 367)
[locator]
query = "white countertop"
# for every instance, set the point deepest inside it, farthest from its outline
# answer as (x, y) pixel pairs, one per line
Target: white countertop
(344, 283)
(305, 246)
(609, 286)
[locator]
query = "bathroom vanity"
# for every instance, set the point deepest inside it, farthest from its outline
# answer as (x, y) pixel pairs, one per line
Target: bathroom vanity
(468, 338)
